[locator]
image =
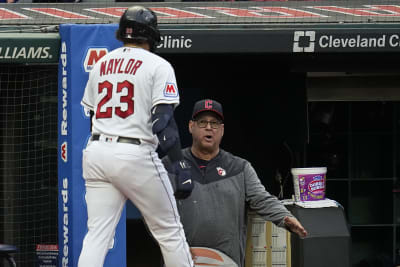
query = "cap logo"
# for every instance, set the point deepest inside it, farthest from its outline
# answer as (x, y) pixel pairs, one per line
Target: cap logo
(208, 104)
(128, 30)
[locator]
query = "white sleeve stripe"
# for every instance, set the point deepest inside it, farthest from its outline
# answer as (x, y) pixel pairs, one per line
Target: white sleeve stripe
(86, 105)
(164, 101)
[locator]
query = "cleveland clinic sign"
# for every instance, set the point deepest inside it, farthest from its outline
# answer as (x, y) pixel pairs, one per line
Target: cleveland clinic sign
(313, 41)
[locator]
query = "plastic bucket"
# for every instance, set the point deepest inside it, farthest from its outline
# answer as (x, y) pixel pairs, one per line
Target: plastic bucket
(309, 183)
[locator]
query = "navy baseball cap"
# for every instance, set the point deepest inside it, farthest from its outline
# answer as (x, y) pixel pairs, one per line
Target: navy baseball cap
(208, 105)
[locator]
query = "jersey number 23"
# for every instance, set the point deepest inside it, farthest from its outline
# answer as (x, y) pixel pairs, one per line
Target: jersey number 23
(127, 99)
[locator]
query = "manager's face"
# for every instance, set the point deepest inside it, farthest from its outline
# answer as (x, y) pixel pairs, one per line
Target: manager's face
(207, 130)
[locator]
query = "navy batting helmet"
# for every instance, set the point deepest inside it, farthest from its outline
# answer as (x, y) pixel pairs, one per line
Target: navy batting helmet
(139, 24)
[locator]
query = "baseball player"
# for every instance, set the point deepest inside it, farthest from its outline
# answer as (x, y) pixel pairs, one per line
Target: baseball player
(132, 93)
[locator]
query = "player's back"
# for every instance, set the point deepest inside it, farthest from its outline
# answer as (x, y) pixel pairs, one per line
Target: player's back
(127, 83)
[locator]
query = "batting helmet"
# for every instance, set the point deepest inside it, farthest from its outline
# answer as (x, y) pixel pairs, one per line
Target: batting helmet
(139, 24)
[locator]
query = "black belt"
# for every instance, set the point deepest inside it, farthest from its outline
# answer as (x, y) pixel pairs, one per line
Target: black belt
(120, 139)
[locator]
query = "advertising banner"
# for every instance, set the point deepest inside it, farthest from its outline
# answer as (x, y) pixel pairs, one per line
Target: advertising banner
(81, 46)
(29, 47)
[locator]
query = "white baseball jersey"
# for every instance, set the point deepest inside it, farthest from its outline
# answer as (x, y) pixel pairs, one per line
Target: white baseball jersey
(122, 88)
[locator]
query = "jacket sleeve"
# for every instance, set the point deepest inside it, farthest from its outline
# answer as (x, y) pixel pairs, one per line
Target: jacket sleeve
(261, 201)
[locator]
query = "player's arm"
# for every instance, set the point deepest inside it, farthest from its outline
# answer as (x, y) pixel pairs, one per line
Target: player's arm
(91, 120)
(164, 126)
(88, 98)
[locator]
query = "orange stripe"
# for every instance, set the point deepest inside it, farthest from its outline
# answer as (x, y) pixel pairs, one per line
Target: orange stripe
(201, 252)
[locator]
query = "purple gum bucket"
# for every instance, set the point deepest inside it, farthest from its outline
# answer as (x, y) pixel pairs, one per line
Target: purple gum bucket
(309, 183)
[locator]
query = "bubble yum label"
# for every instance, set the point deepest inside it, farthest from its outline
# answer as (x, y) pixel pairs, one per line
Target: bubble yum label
(312, 187)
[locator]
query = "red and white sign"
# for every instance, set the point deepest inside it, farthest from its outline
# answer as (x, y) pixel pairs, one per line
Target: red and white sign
(59, 13)
(198, 13)
(109, 11)
(46, 247)
(64, 151)
(92, 56)
(6, 14)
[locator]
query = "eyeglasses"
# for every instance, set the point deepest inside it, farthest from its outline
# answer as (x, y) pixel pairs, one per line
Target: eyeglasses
(204, 123)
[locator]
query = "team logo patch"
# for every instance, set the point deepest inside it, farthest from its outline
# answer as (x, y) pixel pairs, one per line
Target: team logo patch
(170, 90)
(64, 150)
(221, 172)
(208, 104)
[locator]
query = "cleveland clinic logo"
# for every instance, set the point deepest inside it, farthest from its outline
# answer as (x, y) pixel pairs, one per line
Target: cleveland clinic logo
(304, 41)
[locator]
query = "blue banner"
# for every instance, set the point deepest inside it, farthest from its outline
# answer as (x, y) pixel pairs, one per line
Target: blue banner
(81, 47)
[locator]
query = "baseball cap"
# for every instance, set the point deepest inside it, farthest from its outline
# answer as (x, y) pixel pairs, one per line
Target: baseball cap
(207, 105)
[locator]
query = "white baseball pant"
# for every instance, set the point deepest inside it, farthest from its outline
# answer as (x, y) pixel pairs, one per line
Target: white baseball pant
(114, 172)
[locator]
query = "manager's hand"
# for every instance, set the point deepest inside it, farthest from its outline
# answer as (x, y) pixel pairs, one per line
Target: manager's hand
(295, 226)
